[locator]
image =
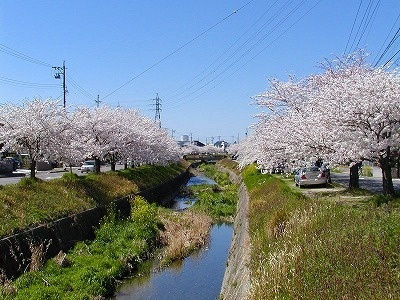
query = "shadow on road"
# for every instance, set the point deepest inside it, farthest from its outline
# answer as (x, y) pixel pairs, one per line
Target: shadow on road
(373, 184)
(13, 174)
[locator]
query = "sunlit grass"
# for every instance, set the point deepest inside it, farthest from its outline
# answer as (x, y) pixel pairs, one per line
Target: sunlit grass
(319, 248)
(33, 201)
(92, 268)
(220, 200)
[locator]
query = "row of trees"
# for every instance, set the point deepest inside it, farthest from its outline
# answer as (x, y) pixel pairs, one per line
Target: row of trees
(44, 129)
(349, 112)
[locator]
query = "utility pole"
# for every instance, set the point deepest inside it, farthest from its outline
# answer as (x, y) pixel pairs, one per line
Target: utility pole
(61, 71)
(157, 104)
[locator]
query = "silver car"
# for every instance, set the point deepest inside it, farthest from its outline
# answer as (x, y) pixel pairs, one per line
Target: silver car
(88, 166)
(310, 176)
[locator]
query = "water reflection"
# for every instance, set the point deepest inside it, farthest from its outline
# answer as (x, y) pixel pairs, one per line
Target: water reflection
(200, 179)
(183, 202)
(196, 277)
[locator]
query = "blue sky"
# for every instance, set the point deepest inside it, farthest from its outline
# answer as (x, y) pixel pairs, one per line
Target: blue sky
(204, 61)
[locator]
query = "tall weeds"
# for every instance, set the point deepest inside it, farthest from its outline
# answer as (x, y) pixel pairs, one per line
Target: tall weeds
(183, 232)
(317, 249)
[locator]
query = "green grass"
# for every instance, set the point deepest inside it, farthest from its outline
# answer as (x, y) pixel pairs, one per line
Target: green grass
(220, 200)
(306, 248)
(93, 268)
(219, 203)
(151, 175)
(33, 201)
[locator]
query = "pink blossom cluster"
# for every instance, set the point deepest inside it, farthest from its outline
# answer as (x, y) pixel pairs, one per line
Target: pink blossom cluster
(349, 112)
(46, 130)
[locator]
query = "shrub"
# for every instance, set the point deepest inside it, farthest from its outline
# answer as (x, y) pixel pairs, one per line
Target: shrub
(144, 215)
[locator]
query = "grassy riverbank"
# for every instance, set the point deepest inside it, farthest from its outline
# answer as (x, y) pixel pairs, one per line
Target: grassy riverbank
(321, 248)
(33, 201)
(92, 269)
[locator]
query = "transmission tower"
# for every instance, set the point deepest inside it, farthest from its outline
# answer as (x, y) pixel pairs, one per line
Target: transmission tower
(157, 103)
(98, 101)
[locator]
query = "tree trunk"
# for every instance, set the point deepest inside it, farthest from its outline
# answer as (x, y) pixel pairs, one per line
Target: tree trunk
(387, 182)
(33, 168)
(113, 162)
(354, 178)
(97, 165)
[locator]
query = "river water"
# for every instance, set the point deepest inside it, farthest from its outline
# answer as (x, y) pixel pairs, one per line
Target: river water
(198, 276)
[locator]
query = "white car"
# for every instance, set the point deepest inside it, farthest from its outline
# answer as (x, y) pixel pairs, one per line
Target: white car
(88, 166)
(310, 176)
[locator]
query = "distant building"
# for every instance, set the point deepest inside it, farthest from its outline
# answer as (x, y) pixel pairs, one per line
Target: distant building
(184, 141)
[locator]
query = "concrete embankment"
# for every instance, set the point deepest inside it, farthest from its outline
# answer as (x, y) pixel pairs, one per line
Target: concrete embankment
(22, 251)
(236, 282)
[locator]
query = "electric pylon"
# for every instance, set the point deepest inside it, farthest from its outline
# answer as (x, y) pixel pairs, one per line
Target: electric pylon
(157, 104)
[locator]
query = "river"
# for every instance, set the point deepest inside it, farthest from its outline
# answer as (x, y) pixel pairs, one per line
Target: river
(198, 276)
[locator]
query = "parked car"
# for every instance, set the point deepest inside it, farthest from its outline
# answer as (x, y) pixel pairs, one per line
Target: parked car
(310, 176)
(16, 163)
(88, 166)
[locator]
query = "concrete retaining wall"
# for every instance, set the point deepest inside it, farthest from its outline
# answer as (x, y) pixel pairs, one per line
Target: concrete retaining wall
(236, 282)
(18, 252)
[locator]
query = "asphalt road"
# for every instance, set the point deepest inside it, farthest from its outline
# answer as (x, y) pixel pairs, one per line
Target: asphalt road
(16, 176)
(373, 184)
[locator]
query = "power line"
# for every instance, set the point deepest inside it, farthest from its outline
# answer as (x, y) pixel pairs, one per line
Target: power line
(391, 59)
(269, 21)
(394, 38)
(15, 53)
(27, 84)
(243, 55)
(352, 27)
(391, 29)
(178, 49)
(80, 89)
(222, 54)
(368, 21)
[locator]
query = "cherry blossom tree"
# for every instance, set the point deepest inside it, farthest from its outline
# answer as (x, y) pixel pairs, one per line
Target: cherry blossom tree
(145, 143)
(122, 134)
(44, 129)
(350, 112)
(32, 127)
